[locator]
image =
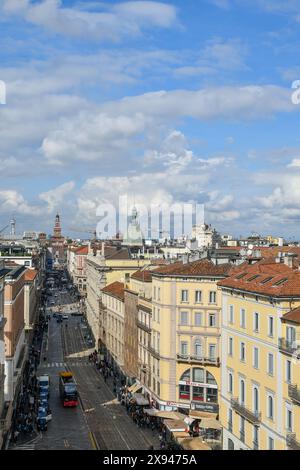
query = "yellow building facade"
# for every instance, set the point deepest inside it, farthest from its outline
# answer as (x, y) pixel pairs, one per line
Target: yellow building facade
(260, 399)
(185, 336)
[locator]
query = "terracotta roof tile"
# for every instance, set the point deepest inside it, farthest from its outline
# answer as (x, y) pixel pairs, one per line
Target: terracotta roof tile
(293, 316)
(145, 276)
(196, 268)
(116, 289)
(265, 277)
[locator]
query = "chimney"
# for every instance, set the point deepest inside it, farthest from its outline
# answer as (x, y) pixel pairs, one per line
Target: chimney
(288, 259)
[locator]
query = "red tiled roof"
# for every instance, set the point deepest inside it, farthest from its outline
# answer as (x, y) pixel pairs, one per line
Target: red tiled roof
(265, 277)
(293, 315)
(82, 250)
(116, 289)
(145, 276)
(30, 274)
(196, 268)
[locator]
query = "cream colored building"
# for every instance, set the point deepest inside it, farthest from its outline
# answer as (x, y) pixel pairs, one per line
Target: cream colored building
(185, 336)
(260, 398)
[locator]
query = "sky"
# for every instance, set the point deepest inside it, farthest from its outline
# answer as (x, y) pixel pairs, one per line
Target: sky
(165, 102)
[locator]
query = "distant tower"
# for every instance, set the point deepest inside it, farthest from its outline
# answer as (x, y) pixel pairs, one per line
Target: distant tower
(13, 226)
(57, 227)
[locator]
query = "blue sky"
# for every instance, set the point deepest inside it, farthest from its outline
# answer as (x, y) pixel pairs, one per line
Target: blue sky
(179, 101)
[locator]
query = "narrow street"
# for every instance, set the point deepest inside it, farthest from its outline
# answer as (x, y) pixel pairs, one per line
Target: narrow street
(100, 421)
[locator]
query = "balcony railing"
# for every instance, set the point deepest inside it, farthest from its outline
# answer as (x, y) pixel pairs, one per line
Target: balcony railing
(199, 360)
(154, 352)
(143, 326)
(294, 393)
(292, 442)
(287, 346)
(251, 416)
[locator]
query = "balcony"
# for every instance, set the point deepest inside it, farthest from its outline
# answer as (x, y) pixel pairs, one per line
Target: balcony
(287, 347)
(251, 416)
(143, 326)
(215, 361)
(294, 393)
(292, 442)
(153, 352)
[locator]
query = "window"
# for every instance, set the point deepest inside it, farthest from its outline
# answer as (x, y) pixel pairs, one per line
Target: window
(198, 375)
(271, 443)
(183, 318)
(184, 348)
(242, 392)
(255, 358)
(242, 352)
(255, 437)
(154, 292)
(212, 351)
(212, 395)
(242, 429)
(270, 407)
(210, 379)
(230, 418)
(289, 420)
(184, 392)
(184, 296)
(198, 393)
(158, 315)
(256, 322)
(242, 318)
(212, 297)
(212, 320)
(231, 314)
(198, 348)
(230, 382)
(186, 376)
(288, 371)
(230, 346)
(198, 319)
(270, 364)
(271, 327)
(230, 445)
(290, 334)
(255, 400)
(198, 296)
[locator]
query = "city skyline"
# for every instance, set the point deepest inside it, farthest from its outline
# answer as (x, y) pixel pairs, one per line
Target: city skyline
(164, 101)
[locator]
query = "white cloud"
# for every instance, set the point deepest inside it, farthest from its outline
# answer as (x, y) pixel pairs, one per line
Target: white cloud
(55, 197)
(112, 23)
(12, 201)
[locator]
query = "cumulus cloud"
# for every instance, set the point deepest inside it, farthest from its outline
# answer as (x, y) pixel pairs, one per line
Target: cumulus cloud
(13, 201)
(55, 197)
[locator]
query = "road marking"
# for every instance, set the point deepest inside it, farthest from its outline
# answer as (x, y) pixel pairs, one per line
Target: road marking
(93, 441)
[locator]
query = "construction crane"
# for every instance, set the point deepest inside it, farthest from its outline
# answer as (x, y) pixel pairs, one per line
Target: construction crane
(94, 232)
(2, 230)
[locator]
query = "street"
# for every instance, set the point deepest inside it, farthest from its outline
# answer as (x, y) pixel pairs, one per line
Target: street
(99, 421)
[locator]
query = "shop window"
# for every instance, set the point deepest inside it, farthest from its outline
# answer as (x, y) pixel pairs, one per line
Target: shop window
(184, 392)
(212, 395)
(198, 393)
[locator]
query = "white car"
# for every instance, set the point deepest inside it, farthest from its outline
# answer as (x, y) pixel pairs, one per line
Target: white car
(65, 317)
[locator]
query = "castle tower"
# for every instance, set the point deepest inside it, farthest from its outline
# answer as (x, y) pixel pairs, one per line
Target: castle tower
(57, 227)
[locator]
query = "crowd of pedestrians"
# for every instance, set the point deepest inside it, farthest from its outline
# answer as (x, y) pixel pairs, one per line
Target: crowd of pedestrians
(24, 419)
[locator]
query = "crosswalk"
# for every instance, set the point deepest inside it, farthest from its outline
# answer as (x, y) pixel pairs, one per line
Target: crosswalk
(24, 447)
(65, 364)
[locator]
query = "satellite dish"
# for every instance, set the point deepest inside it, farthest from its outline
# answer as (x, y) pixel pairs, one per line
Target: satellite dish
(250, 246)
(249, 252)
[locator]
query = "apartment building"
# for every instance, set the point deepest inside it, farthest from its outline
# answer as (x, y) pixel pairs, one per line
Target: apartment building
(3, 426)
(113, 303)
(76, 262)
(106, 264)
(32, 292)
(185, 336)
(260, 399)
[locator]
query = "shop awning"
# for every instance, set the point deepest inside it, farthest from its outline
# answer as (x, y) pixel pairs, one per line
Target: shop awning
(202, 414)
(134, 388)
(150, 411)
(210, 424)
(140, 399)
(170, 415)
(175, 425)
(194, 443)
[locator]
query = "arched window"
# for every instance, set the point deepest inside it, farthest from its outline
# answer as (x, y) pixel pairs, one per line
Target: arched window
(186, 376)
(210, 379)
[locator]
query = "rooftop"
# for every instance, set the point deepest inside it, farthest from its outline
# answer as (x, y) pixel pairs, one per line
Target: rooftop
(144, 276)
(265, 277)
(293, 316)
(30, 274)
(201, 267)
(116, 289)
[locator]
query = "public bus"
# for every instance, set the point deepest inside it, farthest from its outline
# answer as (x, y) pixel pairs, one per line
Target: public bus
(68, 389)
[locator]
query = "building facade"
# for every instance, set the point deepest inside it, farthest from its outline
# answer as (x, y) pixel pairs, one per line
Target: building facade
(260, 400)
(185, 336)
